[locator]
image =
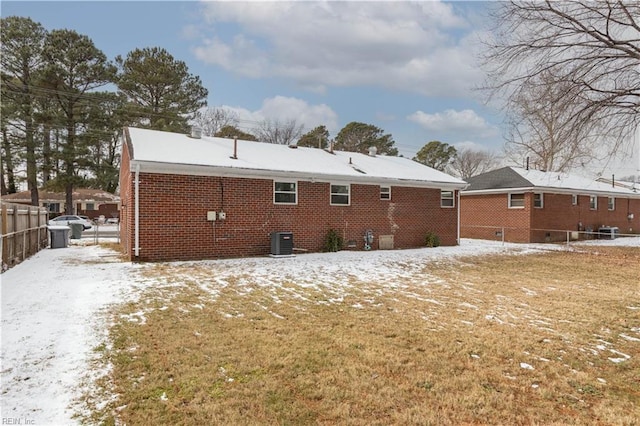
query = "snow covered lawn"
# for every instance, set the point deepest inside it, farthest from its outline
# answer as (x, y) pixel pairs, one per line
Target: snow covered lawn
(55, 306)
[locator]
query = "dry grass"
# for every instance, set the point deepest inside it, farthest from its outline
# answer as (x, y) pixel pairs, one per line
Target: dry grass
(494, 340)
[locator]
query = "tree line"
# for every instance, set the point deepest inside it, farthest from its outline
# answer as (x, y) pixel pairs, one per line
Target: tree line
(60, 124)
(64, 104)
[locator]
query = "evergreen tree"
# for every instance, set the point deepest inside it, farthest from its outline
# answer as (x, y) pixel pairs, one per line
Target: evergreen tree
(316, 138)
(359, 137)
(75, 67)
(162, 93)
(106, 118)
(21, 63)
(436, 154)
(231, 132)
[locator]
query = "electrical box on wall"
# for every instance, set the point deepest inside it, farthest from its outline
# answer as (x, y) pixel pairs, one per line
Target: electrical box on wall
(211, 216)
(222, 215)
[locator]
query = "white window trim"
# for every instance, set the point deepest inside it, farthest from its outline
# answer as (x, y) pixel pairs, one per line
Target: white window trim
(285, 192)
(595, 205)
(509, 200)
(611, 203)
(453, 199)
(574, 199)
(348, 194)
(541, 200)
(389, 192)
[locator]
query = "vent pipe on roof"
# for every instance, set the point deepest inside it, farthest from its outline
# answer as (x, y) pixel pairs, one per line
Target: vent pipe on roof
(527, 168)
(196, 132)
(331, 147)
(235, 148)
(613, 181)
(372, 151)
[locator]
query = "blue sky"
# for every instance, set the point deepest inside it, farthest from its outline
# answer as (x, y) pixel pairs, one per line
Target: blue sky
(408, 68)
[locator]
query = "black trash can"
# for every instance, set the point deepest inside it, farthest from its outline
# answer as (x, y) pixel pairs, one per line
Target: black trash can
(59, 236)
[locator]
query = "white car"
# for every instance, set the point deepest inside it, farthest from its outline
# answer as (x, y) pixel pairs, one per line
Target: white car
(69, 219)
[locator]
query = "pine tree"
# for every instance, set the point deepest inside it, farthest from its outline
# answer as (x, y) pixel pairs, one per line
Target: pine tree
(162, 94)
(21, 63)
(75, 67)
(316, 138)
(359, 137)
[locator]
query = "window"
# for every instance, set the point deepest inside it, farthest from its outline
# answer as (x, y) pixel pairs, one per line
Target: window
(52, 207)
(385, 192)
(516, 201)
(340, 195)
(285, 192)
(447, 199)
(538, 200)
(593, 202)
(574, 200)
(612, 204)
(90, 206)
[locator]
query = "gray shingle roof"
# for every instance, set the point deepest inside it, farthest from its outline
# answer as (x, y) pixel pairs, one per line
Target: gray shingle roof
(505, 178)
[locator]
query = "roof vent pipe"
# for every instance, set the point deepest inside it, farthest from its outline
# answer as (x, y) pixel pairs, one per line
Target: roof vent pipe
(372, 151)
(235, 148)
(196, 132)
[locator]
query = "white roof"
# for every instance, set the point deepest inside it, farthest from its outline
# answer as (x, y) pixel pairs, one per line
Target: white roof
(566, 181)
(509, 179)
(164, 152)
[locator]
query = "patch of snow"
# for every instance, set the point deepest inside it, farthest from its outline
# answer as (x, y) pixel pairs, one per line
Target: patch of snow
(526, 366)
(629, 338)
(54, 304)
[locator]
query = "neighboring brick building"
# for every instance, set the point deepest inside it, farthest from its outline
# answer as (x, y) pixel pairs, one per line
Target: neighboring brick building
(536, 206)
(89, 202)
(172, 187)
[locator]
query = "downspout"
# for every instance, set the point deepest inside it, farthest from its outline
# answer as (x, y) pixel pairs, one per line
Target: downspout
(136, 218)
(458, 230)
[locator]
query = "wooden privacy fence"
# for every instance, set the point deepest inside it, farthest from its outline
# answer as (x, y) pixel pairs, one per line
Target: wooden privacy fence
(24, 232)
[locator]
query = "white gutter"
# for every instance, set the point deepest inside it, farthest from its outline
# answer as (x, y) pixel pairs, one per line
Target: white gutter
(136, 219)
(618, 192)
(199, 170)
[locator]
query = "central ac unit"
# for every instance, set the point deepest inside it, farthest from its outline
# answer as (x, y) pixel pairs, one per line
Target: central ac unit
(281, 243)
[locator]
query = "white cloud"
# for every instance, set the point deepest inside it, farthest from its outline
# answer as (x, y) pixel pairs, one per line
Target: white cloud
(466, 122)
(470, 145)
(420, 47)
(282, 109)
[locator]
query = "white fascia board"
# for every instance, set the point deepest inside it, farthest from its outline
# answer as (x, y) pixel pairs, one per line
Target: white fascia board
(237, 172)
(553, 190)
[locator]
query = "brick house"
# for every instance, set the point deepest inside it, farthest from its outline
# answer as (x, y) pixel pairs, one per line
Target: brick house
(187, 198)
(537, 206)
(92, 203)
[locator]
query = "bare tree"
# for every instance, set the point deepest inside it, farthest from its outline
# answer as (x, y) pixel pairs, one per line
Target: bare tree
(591, 46)
(468, 162)
(211, 120)
(541, 127)
(282, 133)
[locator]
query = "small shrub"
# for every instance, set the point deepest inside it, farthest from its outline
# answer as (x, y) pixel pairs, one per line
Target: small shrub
(432, 240)
(333, 241)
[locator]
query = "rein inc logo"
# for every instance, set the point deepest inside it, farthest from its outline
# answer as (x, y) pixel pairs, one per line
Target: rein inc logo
(17, 421)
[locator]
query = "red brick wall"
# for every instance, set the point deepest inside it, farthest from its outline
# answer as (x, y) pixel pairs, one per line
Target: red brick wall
(559, 214)
(174, 226)
(549, 223)
(481, 216)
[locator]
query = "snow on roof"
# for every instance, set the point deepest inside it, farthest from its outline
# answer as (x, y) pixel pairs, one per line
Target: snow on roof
(157, 151)
(510, 178)
(567, 181)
